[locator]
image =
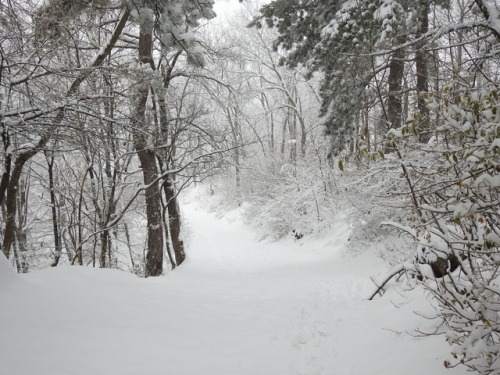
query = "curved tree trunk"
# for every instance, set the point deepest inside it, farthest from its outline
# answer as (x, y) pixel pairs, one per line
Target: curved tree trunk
(11, 195)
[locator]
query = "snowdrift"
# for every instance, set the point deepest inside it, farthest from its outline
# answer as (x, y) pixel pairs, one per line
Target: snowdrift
(237, 307)
(7, 273)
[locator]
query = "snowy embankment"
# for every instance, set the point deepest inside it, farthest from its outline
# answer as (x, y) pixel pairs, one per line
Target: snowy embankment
(236, 307)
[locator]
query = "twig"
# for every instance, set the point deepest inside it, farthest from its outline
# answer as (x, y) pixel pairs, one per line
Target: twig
(388, 278)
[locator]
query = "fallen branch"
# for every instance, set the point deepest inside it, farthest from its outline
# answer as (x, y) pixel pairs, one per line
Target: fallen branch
(398, 270)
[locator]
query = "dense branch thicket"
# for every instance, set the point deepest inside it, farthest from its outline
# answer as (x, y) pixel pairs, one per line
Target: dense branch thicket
(88, 101)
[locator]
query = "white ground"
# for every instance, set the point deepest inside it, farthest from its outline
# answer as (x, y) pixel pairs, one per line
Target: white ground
(236, 307)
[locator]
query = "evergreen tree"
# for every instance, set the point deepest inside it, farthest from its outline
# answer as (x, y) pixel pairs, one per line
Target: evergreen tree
(353, 44)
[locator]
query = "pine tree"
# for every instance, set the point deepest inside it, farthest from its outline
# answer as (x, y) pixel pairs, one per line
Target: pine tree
(353, 44)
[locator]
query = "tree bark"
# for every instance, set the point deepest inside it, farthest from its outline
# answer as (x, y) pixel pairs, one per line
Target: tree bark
(232, 116)
(55, 222)
(4, 182)
(11, 195)
(422, 73)
(154, 258)
(147, 158)
(174, 221)
(396, 71)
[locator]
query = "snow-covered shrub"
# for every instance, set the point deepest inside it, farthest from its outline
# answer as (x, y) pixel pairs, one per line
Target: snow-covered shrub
(369, 193)
(369, 189)
(298, 198)
(454, 185)
(280, 197)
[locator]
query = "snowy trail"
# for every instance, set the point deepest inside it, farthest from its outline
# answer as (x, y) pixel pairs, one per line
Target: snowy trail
(236, 307)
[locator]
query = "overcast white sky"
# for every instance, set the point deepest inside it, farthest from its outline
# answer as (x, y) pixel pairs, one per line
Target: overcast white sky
(224, 7)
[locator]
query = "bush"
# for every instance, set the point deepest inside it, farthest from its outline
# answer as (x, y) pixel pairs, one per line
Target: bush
(454, 187)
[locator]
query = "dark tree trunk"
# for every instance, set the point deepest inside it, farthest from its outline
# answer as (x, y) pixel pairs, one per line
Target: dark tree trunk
(175, 246)
(396, 71)
(79, 249)
(174, 221)
(303, 137)
(147, 157)
(11, 195)
(105, 248)
(422, 73)
(164, 161)
(283, 137)
(4, 182)
(55, 225)
(20, 250)
(154, 258)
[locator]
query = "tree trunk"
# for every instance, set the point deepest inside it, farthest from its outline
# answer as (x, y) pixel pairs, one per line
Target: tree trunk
(20, 244)
(396, 71)
(154, 258)
(79, 232)
(174, 221)
(4, 182)
(147, 157)
(232, 116)
(267, 108)
(422, 73)
(11, 195)
(20, 251)
(292, 115)
(105, 248)
(283, 137)
(55, 225)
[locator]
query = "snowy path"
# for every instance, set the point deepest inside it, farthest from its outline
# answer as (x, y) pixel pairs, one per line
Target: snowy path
(236, 307)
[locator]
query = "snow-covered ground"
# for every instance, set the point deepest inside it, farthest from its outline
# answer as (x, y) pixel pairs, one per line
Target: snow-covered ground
(235, 307)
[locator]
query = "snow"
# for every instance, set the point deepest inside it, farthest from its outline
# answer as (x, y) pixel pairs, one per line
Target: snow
(236, 307)
(493, 15)
(7, 273)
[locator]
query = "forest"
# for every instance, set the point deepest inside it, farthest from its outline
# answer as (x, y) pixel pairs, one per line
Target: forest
(383, 115)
